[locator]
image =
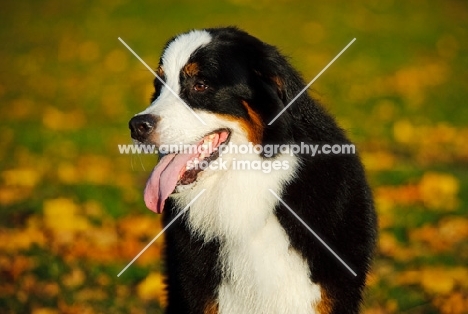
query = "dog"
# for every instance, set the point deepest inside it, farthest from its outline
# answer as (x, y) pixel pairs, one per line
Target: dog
(237, 247)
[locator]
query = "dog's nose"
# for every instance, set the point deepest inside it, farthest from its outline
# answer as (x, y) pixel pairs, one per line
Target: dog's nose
(141, 126)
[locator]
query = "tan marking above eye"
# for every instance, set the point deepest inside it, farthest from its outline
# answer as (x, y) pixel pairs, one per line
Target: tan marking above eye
(191, 69)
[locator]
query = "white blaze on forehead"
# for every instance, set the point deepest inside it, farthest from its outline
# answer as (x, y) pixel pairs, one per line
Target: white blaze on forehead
(177, 122)
(178, 52)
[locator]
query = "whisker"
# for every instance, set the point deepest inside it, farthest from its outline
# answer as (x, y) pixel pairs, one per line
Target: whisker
(141, 163)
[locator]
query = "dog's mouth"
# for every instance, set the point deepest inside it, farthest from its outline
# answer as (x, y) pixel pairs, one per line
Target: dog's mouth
(182, 168)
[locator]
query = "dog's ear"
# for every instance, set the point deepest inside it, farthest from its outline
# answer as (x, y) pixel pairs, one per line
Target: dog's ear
(274, 69)
(276, 85)
(280, 87)
(273, 80)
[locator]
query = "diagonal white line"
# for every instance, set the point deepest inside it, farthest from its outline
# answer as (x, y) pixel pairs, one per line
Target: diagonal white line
(311, 82)
(162, 231)
(312, 231)
(161, 80)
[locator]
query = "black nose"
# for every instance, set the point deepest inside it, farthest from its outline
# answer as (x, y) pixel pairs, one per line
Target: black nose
(142, 126)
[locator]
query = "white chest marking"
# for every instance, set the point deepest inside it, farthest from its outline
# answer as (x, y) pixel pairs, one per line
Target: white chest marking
(261, 273)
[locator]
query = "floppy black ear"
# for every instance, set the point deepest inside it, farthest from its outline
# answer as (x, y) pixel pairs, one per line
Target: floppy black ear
(275, 70)
(304, 119)
(288, 83)
(277, 83)
(272, 80)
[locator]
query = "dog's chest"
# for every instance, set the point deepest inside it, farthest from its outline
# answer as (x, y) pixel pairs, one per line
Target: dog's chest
(260, 271)
(261, 274)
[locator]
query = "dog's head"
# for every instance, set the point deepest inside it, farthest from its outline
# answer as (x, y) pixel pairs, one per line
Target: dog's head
(214, 86)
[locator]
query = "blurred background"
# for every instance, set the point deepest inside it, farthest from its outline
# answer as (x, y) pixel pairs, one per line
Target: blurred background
(71, 207)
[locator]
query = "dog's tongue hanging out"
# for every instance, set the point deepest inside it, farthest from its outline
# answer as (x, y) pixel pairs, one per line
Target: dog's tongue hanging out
(163, 180)
(174, 167)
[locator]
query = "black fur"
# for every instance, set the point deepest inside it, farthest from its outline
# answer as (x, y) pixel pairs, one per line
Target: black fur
(330, 193)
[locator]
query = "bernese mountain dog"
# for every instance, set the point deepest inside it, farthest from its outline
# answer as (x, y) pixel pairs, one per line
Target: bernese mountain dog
(238, 248)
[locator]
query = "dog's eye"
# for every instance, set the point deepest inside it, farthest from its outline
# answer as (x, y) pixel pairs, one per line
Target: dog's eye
(200, 87)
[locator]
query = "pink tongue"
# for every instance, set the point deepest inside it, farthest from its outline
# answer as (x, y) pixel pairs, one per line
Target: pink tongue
(163, 180)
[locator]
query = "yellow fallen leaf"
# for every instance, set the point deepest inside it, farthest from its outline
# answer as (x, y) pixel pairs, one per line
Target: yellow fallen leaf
(21, 239)
(95, 169)
(57, 120)
(28, 177)
(443, 236)
(453, 303)
(62, 214)
(153, 288)
(454, 229)
(380, 160)
(67, 173)
(387, 243)
(51, 289)
(75, 278)
(408, 277)
(94, 209)
(102, 238)
(439, 190)
(403, 132)
(139, 226)
(437, 281)
(10, 195)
